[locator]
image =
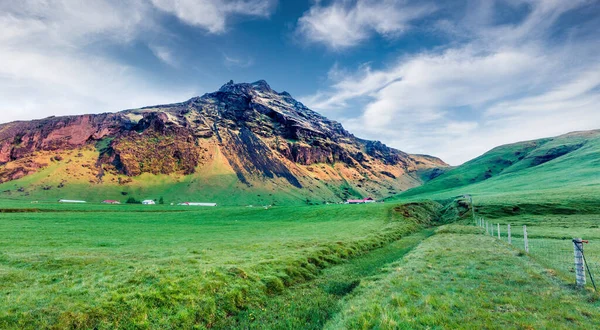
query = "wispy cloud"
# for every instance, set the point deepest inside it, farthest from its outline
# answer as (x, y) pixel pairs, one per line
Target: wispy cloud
(232, 62)
(343, 24)
(164, 54)
(508, 82)
(213, 14)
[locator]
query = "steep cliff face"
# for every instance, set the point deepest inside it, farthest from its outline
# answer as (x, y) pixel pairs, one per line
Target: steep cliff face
(261, 136)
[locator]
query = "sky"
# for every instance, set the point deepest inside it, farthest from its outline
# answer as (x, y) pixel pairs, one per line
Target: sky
(450, 78)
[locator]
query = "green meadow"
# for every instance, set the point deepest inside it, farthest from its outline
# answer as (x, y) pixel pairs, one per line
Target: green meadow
(416, 261)
(380, 266)
(96, 266)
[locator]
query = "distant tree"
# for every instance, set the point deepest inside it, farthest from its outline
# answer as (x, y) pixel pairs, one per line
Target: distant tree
(161, 200)
(132, 200)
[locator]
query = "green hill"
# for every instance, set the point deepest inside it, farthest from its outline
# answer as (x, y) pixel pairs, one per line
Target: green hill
(565, 167)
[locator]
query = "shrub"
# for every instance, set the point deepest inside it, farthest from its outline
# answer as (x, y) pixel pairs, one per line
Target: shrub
(132, 200)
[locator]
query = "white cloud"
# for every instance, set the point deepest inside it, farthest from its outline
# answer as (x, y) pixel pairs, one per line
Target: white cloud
(54, 61)
(462, 101)
(164, 54)
(213, 14)
(344, 23)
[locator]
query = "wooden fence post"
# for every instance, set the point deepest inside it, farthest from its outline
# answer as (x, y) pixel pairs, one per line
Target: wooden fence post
(509, 238)
(525, 238)
(579, 266)
(499, 231)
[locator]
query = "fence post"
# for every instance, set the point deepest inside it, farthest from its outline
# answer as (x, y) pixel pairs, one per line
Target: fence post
(492, 229)
(525, 238)
(509, 238)
(579, 269)
(499, 231)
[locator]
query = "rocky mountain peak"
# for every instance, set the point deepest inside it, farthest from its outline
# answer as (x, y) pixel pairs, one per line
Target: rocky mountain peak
(260, 86)
(262, 137)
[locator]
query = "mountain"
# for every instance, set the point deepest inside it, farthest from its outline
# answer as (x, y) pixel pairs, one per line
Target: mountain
(561, 168)
(243, 144)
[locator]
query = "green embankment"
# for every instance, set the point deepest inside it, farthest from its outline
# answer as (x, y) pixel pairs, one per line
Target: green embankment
(309, 305)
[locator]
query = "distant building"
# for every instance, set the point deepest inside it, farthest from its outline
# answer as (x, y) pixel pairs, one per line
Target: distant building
(71, 201)
(360, 201)
(197, 204)
(149, 202)
(110, 201)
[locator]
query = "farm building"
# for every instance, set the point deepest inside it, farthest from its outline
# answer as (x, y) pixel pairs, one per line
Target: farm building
(148, 202)
(197, 204)
(110, 201)
(71, 201)
(360, 201)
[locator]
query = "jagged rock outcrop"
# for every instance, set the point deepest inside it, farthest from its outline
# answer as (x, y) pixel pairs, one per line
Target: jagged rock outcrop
(262, 134)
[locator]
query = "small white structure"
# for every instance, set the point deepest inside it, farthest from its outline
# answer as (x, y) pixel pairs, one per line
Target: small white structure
(197, 204)
(71, 201)
(149, 202)
(360, 201)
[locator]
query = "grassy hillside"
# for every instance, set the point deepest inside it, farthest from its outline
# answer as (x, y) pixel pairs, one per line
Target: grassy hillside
(566, 167)
(76, 177)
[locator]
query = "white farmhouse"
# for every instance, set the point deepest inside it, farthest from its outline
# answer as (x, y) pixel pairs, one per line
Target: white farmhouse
(197, 204)
(71, 201)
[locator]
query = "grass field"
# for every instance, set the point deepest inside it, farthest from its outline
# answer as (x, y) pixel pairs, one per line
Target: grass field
(550, 239)
(461, 279)
(332, 266)
(102, 266)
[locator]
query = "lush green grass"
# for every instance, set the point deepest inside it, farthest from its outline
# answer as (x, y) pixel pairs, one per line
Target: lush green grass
(309, 305)
(561, 169)
(549, 239)
(66, 267)
(461, 279)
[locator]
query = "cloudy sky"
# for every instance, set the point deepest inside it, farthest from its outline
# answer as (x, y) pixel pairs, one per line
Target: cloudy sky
(448, 78)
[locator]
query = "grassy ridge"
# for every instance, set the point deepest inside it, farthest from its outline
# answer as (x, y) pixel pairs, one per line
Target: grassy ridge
(174, 269)
(460, 279)
(561, 169)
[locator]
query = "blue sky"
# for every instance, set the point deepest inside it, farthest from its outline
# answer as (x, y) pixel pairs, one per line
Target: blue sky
(447, 78)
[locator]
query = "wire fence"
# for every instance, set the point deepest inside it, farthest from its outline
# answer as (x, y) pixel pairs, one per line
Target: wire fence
(558, 255)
